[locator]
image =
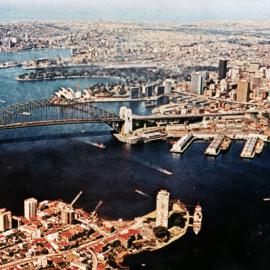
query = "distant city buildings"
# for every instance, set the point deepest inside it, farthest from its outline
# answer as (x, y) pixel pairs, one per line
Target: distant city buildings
(162, 208)
(30, 208)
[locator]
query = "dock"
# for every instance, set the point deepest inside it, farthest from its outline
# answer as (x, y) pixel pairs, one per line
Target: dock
(182, 144)
(252, 147)
(214, 148)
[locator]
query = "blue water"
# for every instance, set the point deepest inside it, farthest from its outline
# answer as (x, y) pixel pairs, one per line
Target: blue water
(57, 162)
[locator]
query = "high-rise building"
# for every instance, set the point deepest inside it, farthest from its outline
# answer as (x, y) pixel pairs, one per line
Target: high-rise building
(222, 69)
(162, 208)
(160, 90)
(196, 83)
(168, 86)
(134, 92)
(243, 91)
(67, 216)
(5, 220)
(149, 90)
(30, 208)
(235, 74)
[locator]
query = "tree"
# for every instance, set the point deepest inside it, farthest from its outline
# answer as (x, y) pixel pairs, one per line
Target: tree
(161, 232)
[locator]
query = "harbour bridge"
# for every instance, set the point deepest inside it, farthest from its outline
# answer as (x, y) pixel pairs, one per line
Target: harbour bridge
(45, 113)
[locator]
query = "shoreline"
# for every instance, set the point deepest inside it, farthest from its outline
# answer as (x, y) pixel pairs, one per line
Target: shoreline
(67, 78)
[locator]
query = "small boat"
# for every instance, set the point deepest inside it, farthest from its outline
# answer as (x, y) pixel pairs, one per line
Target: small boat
(141, 193)
(26, 113)
(266, 199)
(98, 145)
(197, 219)
(164, 171)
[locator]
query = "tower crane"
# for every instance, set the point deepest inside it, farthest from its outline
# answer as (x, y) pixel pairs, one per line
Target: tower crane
(96, 209)
(76, 198)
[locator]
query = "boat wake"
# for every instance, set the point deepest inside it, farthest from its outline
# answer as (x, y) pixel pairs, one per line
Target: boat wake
(141, 193)
(152, 166)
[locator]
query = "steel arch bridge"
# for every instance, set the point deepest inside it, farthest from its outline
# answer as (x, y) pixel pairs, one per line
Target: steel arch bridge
(45, 113)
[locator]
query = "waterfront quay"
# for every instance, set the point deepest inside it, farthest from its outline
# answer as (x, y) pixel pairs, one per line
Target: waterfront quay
(56, 235)
(182, 144)
(214, 148)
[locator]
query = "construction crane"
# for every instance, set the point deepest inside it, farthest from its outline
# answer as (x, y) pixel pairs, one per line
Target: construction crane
(96, 209)
(76, 198)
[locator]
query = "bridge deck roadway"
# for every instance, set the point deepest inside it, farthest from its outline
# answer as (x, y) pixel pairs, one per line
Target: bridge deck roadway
(182, 116)
(57, 122)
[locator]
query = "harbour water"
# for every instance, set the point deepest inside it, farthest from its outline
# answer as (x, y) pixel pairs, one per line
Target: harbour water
(57, 162)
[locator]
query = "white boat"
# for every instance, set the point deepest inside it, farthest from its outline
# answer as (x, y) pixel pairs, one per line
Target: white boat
(141, 193)
(197, 219)
(26, 113)
(98, 145)
(7, 65)
(266, 199)
(164, 171)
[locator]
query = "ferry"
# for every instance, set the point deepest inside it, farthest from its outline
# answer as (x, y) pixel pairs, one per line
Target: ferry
(259, 146)
(197, 219)
(225, 144)
(7, 65)
(164, 171)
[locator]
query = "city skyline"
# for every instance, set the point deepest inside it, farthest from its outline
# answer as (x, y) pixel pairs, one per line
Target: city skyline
(161, 10)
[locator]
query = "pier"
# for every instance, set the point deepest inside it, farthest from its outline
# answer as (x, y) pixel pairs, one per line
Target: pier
(182, 144)
(214, 147)
(249, 149)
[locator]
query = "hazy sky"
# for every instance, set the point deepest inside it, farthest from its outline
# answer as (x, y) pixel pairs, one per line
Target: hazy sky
(139, 10)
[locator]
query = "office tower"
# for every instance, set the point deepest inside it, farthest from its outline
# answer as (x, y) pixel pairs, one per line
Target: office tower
(134, 92)
(243, 90)
(30, 208)
(67, 216)
(148, 90)
(222, 69)
(196, 83)
(5, 220)
(235, 74)
(168, 86)
(159, 90)
(162, 208)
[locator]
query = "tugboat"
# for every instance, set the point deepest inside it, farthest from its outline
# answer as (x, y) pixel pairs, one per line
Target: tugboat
(197, 219)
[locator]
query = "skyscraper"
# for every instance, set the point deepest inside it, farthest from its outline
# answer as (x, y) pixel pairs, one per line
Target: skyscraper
(162, 208)
(30, 208)
(67, 216)
(168, 86)
(243, 90)
(5, 220)
(196, 83)
(222, 69)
